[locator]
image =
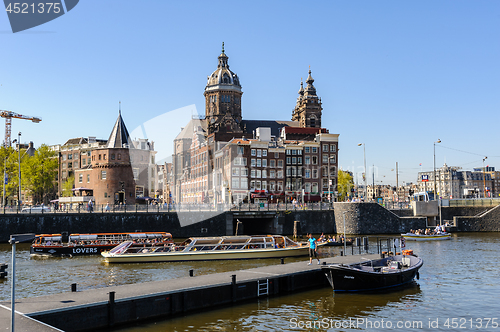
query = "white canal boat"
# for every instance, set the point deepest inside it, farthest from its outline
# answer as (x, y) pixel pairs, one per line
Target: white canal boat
(209, 248)
(423, 237)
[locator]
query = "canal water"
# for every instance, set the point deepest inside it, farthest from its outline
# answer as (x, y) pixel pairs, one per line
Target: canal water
(458, 289)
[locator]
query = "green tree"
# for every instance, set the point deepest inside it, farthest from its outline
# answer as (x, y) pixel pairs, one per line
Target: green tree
(67, 186)
(39, 173)
(9, 158)
(344, 184)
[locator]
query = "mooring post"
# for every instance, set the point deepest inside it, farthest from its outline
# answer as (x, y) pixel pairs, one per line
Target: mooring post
(282, 261)
(73, 287)
(233, 287)
(191, 272)
(111, 309)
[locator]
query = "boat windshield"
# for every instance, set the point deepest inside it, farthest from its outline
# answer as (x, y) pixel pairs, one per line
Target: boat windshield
(119, 249)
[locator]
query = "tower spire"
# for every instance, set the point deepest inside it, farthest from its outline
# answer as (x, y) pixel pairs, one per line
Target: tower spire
(120, 107)
(222, 47)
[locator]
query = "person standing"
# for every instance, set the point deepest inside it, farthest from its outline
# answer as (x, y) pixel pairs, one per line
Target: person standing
(313, 250)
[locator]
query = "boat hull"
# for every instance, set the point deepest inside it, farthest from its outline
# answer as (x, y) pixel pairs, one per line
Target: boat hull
(415, 237)
(65, 250)
(344, 278)
(206, 255)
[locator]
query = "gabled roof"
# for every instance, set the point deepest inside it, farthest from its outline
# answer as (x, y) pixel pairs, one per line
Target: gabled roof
(119, 135)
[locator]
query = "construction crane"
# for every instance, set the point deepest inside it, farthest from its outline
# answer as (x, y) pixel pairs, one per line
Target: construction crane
(8, 115)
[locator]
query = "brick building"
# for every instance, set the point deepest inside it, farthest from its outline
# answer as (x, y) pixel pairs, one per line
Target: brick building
(222, 157)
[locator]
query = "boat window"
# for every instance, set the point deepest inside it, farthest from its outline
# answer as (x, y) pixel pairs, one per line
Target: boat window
(88, 237)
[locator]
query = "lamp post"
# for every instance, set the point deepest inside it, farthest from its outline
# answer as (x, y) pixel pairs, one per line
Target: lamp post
(435, 192)
(19, 150)
(364, 159)
(484, 178)
(329, 181)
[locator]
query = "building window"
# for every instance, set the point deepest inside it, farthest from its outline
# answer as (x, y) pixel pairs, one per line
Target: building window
(112, 156)
(264, 185)
(288, 152)
(315, 173)
(80, 178)
(103, 175)
(272, 186)
(259, 173)
(119, 156)
(272, 163)
(314, 149)
(307, 160)
(252, 172)
(294, 160)
(307, 149)
(236, 183)
(272, 173)
(288, 160)
(83, 161)
(294, 152)
(259, 162)
(264, 162)
(308, 174)
(325, 159)
(276, 155)
(70, 165)
(240, 150)
(236, 171)
(280, 163)
(63, 165)
(88, 161)
(314, 160)
(253, 153)
(88, 178)
(244, 172)
(279, 174)
(299, 160)
(105, 195)
(332, 147)
(244, 183)
(280, 186)
(264, 153)
(70, 156)
(252, 162)
(259, 153)
(325, 147)
(104, 157)
(264, 174)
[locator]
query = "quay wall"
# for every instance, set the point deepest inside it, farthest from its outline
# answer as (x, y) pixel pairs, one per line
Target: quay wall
(486, 222)
(361, 218)
(372, 218)
(181, 225)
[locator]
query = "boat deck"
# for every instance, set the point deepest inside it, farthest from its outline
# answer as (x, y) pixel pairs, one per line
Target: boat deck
(92, 308)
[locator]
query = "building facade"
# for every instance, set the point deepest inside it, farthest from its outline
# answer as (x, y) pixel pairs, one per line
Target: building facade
(223, 158)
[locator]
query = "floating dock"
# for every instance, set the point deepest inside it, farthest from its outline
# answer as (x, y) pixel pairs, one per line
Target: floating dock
(118, 305)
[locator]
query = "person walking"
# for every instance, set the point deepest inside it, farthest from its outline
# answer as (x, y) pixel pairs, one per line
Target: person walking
(313, 250)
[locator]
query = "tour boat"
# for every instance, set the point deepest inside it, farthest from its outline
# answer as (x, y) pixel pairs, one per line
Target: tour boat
(391, 271)
(92, 244)
(423, 237)
(209, 248)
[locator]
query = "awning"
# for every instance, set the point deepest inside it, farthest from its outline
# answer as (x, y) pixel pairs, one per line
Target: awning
(82, 189)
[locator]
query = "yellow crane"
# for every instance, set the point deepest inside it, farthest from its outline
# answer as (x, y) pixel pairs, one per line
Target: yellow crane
(8, 115)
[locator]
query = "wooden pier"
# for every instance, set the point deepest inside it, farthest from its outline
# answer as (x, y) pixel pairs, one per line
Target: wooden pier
(117, 305)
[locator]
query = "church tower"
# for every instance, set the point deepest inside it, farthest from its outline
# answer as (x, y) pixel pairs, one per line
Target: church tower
(308, 109)
(223, 99)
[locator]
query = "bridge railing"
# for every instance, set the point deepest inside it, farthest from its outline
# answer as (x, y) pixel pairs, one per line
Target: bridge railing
(475, 202)
(158, 208)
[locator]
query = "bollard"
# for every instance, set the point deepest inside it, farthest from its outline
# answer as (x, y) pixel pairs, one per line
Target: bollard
(191, 272)
(282, 261)
(233, 279)
(73, 287)
(111, 309)
(341, 253)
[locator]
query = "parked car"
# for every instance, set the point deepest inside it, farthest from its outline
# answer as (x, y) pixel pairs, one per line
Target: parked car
(36, 209)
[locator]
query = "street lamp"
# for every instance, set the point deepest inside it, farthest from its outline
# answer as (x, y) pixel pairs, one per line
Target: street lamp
(19, 150)
(329, 181)
(435, 192)
(484, 179)
(364, 158)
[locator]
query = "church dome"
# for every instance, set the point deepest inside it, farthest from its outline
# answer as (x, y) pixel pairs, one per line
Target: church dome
(223, 78)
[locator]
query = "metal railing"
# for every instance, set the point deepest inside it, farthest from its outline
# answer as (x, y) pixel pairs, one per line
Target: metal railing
(158, 208)
(475, 202)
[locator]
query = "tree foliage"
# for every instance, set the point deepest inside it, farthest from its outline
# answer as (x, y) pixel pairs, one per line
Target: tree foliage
(67, 186)
(39, 173)
(344, 184)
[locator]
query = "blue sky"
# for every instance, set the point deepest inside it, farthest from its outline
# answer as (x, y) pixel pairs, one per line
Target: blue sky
(395, 75)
